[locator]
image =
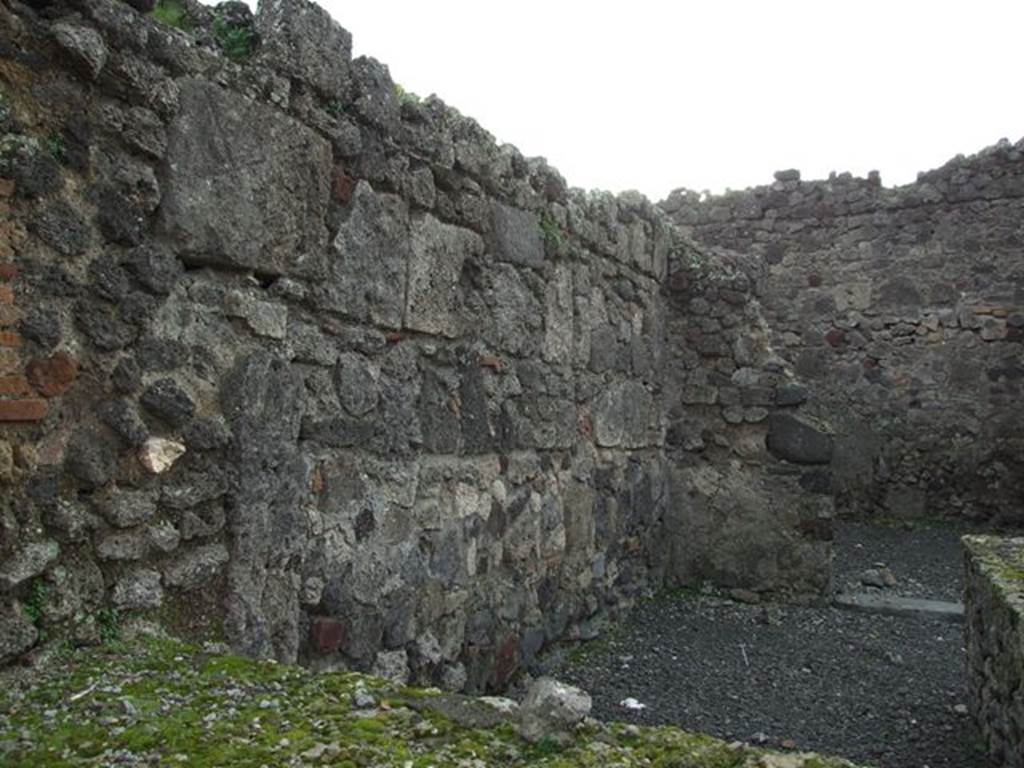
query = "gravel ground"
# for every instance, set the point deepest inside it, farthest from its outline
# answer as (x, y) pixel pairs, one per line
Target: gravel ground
(885, 691)
(926, 561)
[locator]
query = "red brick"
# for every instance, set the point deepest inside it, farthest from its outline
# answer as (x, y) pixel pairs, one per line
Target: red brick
(342, 185)
(8, 339)
(506, 659)
(15, 385)
(6, 294)
(836, 337)
(326, 634)
(23, 410)
(8, 272)
(54, 375)
(492, 362)
(6, 188)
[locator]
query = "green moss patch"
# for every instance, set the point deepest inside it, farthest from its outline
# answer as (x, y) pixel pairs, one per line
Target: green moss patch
(162, 702)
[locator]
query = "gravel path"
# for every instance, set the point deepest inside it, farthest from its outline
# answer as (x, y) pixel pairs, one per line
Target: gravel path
(886, 691)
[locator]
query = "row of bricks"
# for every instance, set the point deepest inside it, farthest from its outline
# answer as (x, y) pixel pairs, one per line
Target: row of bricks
(18, 402)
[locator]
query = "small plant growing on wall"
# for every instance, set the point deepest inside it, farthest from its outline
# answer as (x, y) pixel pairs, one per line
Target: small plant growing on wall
(406, 97)
(173, 14)
(237, 41)
(555, 241)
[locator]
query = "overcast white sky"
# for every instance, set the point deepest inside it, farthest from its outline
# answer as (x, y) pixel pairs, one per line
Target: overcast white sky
(653, 95)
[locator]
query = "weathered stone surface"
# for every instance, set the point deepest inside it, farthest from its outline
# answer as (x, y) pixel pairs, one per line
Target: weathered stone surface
(622, 415)
(551, 707)
(196, 567)
(302, 40)
(31, 561)
(166, 400)
(994, 598)
(260, 205)
(372, 253)
(139, 590)
(127, 508)
(794, 440)
(262, 317)
(262, 403)
(865, 293)
(129, 545)
(423, 386)
(17, 633)
(159, 454)
(84, 46)
(517, 236)
(433, 296)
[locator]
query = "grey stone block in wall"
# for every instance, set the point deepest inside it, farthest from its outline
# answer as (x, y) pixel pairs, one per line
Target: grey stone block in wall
(300, 39)
(244, 186)
(516, 235)
(433, 300)
(797, 441)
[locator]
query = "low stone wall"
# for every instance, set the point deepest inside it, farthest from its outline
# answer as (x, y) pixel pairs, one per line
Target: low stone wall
(995, 643)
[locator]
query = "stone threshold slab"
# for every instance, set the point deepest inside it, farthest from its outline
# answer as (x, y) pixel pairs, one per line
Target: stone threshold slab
(900, 606)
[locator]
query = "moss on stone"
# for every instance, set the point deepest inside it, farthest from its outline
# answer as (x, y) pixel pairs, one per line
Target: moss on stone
(168, 702)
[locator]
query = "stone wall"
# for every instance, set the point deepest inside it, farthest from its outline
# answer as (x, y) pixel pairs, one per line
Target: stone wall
(903, 310)
(995, 644)
(298, 360)
(749, 474)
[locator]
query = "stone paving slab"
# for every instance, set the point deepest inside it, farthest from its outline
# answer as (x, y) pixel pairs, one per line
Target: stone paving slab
(900, 606)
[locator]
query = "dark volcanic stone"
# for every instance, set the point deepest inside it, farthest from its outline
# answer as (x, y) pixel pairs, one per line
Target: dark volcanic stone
(165, 399)
(798, 442)
(60, 227)
(122, 417)
(127, 377)
(41, 326)
(91, 457)
(155, 267)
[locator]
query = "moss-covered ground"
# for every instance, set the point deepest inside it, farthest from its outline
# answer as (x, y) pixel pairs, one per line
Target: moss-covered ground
(159, 702)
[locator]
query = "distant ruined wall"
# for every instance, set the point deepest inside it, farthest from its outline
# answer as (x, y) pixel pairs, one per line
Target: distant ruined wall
(903, 310)
(297, 361)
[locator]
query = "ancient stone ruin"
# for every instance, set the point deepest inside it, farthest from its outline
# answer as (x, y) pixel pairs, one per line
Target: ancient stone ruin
(300, 361)
(995, 643)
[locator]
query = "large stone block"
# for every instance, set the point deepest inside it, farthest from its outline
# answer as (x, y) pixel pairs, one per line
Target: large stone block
(244, 186)
(797, 441)
(372, 251)
(622, 415)
(516, 236)
(433, 298)
(303, 41)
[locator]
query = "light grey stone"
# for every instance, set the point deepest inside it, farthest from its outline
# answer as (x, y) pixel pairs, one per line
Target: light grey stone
(28, 563)
(130, 545)
(433, 296)
(302, 41)
(139, 590)
(258, 205)
(551, 707)
(191, 569)
(127, 508)
(264, 318)
(17, 633)
(83, 45)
